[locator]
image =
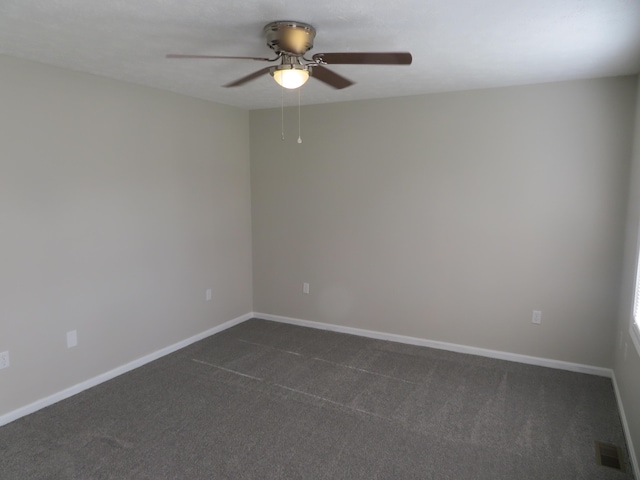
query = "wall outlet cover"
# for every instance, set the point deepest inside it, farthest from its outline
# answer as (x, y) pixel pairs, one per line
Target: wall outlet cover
(72, 338)
(4, 359)
(537, 317)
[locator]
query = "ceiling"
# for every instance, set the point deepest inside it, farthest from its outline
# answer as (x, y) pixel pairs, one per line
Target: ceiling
(456, 44)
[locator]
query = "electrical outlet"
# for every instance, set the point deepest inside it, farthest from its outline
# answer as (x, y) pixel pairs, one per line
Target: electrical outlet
(72, 338)
(305, 288)
(4, 360)
(208, 295)
(625, 350)
(537, 317)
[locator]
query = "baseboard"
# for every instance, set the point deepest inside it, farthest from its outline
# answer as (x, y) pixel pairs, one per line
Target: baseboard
(513, 357)
(92, 382)
(56, 397)
(625, 428)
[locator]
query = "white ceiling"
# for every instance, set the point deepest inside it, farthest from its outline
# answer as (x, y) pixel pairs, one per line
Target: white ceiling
(456, 44)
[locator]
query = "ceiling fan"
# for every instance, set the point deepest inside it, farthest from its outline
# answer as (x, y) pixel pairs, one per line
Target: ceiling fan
(290, 41)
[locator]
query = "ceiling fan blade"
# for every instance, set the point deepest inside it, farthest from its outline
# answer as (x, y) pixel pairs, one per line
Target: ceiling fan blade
(251, 76)
(329, 77)
(177, 55)
(364, 58)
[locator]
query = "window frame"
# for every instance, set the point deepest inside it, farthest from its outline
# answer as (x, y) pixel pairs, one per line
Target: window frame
(634, 331)
(634, 323)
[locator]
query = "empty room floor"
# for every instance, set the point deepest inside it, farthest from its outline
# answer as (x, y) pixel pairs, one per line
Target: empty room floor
(266, 400)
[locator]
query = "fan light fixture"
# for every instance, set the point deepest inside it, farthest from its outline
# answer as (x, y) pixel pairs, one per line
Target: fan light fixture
(290, 76)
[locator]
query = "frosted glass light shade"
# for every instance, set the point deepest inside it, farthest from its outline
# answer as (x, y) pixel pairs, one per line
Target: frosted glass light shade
(291, 77)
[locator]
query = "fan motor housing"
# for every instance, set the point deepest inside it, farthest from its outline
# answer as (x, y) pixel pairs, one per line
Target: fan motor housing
(290, 37)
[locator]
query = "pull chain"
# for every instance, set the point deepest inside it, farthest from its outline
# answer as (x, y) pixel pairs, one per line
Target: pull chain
(282, 112)
(299, 131)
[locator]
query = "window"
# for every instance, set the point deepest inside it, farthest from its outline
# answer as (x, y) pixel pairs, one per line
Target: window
(635, 320)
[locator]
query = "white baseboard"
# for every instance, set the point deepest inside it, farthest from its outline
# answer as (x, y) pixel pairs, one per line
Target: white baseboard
(625, 428)
(56, 397)
(92, 382)
(574, 367)
(483, 352)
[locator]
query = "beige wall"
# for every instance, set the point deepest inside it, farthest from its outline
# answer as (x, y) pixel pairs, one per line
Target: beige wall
(627, 366)
(119, 206)
(450, 217)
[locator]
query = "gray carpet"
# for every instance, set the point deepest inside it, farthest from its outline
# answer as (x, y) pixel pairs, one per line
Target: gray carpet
(265, 400)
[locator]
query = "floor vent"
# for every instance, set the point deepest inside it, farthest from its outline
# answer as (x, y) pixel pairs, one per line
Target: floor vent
(609, 456)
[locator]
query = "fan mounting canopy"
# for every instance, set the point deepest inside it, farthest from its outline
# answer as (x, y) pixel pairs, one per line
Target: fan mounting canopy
(290, 38)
